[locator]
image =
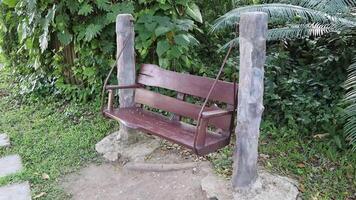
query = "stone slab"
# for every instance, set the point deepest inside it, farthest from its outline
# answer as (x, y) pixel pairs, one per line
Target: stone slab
(4, 140)
(19, 191)
(10, 165)
(267, 187)
(114, 149)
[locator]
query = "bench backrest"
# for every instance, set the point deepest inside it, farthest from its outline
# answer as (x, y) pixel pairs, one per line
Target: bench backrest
(153, 75)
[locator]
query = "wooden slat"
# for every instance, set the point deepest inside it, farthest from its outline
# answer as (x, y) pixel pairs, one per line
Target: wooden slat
(158, 125)
(156, 100)
(153, 75)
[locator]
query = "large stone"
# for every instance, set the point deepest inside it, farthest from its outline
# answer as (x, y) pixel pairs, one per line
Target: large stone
(19, 191)
(216, 187)
(4, 140)
(135, 149)
(10, 165)
(267, 187)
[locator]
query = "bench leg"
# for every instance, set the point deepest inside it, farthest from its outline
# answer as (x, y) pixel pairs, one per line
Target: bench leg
(201, 133)
(110, 100)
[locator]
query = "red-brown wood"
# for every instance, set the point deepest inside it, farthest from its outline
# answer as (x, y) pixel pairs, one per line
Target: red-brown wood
(179, 107)
(177, 132)
(199, 139)
(153, 75)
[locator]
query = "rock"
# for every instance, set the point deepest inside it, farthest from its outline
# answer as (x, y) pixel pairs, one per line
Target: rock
(216, 188)
(16, 192)
(267, 187)
(134, 149)
(270, 187)
(4, 140)
(10, 165)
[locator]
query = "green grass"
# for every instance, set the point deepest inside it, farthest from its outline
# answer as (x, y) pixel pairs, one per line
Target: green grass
(322, 170)
(52, 138)
(56, 138)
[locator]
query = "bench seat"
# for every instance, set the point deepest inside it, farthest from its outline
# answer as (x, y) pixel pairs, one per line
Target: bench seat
(174, 131)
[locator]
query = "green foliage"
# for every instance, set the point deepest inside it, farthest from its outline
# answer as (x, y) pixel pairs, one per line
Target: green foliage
(298, 84)
(66, 47)
(323, 172)
(52, 137)
(303, 18)
(350, 100)
(298, 19)
(164, 36)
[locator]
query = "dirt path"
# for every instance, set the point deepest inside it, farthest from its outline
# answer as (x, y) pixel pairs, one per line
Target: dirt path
(114, 182)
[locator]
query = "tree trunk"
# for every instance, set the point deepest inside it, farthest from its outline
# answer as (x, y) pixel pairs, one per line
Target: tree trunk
(253, 31)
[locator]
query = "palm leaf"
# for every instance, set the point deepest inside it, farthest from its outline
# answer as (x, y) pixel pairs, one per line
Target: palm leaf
(300, 30)
(286, 12)
(350, 110)
(330, 6)
(292, 32)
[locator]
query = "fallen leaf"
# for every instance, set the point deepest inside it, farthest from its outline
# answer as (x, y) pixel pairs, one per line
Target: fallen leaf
(320, 136)
(39, 195)
(301, 165)
(45, 176)
(301, 188)
(264, 156)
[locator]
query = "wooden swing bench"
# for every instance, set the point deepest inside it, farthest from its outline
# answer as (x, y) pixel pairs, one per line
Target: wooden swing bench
(200, 138)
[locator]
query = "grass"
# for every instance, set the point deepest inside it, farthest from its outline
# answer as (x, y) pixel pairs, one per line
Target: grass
(322, 170)
(54, 138)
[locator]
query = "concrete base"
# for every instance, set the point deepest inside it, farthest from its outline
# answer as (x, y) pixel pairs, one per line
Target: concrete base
(267, 187)
(134, 148)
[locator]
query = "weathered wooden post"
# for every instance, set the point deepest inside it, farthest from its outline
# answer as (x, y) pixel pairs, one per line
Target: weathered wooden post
(126, 71)
(253, 31)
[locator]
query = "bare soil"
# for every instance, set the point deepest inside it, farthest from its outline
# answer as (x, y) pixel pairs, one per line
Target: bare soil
(111, 181)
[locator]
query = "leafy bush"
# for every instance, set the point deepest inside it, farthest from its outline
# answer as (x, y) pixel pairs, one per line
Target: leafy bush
(66, 47)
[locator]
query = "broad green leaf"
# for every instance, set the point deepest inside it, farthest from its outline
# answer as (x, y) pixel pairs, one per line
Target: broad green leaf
(175, 52)
(151, 26)
(182, 39)
(45, 36)
(162, 30)
(64, 37)
(85, 9)
(185, 24)
(194, 12)
(163, 62)
(10, 3)
(162, 47)
(163, 21)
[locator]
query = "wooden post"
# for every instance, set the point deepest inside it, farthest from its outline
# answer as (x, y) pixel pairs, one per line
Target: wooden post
(126, 73)
(253, 32)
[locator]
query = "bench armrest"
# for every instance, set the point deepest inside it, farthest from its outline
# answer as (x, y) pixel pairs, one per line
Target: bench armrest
(215, 113)
(119, 87)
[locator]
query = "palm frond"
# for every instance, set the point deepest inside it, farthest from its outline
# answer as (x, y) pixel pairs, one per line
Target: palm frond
(300, 30)
(350, 110)
(286, 12)
(319, 3)
(329, 6)
(292, 32)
